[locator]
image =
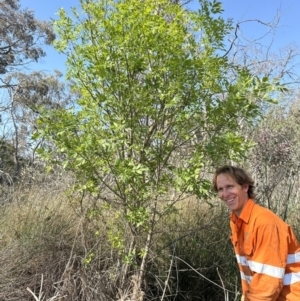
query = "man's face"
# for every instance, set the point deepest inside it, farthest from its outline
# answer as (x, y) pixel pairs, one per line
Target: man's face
(231, 193)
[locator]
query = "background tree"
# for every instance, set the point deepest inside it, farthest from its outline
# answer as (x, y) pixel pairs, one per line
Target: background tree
(159, 106)
(28, 93)
(22, 39)
(275, 159)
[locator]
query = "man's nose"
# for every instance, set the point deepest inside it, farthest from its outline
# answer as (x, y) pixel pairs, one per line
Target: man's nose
(225, 193)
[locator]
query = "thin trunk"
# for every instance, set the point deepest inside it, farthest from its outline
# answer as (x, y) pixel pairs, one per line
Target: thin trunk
(137, 280)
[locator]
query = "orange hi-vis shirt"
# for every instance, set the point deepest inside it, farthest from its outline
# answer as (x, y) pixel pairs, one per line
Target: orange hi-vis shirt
(268, 255)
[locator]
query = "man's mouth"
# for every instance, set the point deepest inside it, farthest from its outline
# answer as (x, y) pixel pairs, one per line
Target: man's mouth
(230, 201)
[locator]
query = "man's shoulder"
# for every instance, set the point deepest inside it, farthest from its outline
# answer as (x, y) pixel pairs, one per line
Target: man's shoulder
(260, 209)
(264, 216)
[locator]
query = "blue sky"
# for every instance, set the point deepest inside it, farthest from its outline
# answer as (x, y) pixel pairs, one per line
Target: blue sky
(264, 10)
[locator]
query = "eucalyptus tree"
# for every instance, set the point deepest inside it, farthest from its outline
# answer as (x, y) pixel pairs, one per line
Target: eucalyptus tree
(159, 104)
(27, 95)
(23, 39)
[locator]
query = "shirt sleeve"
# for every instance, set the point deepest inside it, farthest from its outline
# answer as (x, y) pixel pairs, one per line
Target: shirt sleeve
(267, 254)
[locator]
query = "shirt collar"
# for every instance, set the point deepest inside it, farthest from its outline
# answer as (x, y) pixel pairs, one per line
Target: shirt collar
(246, 212)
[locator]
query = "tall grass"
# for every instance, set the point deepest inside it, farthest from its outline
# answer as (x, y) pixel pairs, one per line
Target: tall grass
(50, 250)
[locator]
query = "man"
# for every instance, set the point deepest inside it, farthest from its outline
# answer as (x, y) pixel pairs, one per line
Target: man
(267, 251)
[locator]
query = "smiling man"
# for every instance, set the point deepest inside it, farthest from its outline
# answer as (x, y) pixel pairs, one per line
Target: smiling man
(267, 251)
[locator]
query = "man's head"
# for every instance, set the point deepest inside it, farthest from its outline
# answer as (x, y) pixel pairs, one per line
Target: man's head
(234, 187)
(239, 175)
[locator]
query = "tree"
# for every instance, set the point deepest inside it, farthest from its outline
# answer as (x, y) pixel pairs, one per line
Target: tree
(22, 37)
(275, 159)
(27, 94)
(160, 104)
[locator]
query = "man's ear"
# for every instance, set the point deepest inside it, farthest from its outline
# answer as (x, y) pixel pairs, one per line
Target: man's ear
(245, 187)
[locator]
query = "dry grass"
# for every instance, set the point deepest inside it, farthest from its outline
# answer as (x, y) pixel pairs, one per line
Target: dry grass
(42, 236)
(49, 251)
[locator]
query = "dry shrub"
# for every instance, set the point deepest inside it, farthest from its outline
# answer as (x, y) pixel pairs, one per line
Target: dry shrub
(194, 256)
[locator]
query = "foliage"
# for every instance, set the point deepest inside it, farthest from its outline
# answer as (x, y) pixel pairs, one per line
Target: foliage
(22, 39)
(26, 95)
(159, 105)
(21, 35)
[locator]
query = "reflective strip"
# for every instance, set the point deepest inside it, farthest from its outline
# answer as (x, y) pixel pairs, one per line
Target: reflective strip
(293, 258)
(246, 278)
(261, 268)
(288, 279)
(291, 278)
(242, 260)
(267, 269)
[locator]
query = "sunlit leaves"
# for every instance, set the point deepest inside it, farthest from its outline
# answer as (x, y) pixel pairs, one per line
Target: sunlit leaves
(158, 104)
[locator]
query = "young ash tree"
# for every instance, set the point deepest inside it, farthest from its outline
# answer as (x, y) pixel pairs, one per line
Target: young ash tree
(159, 104)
